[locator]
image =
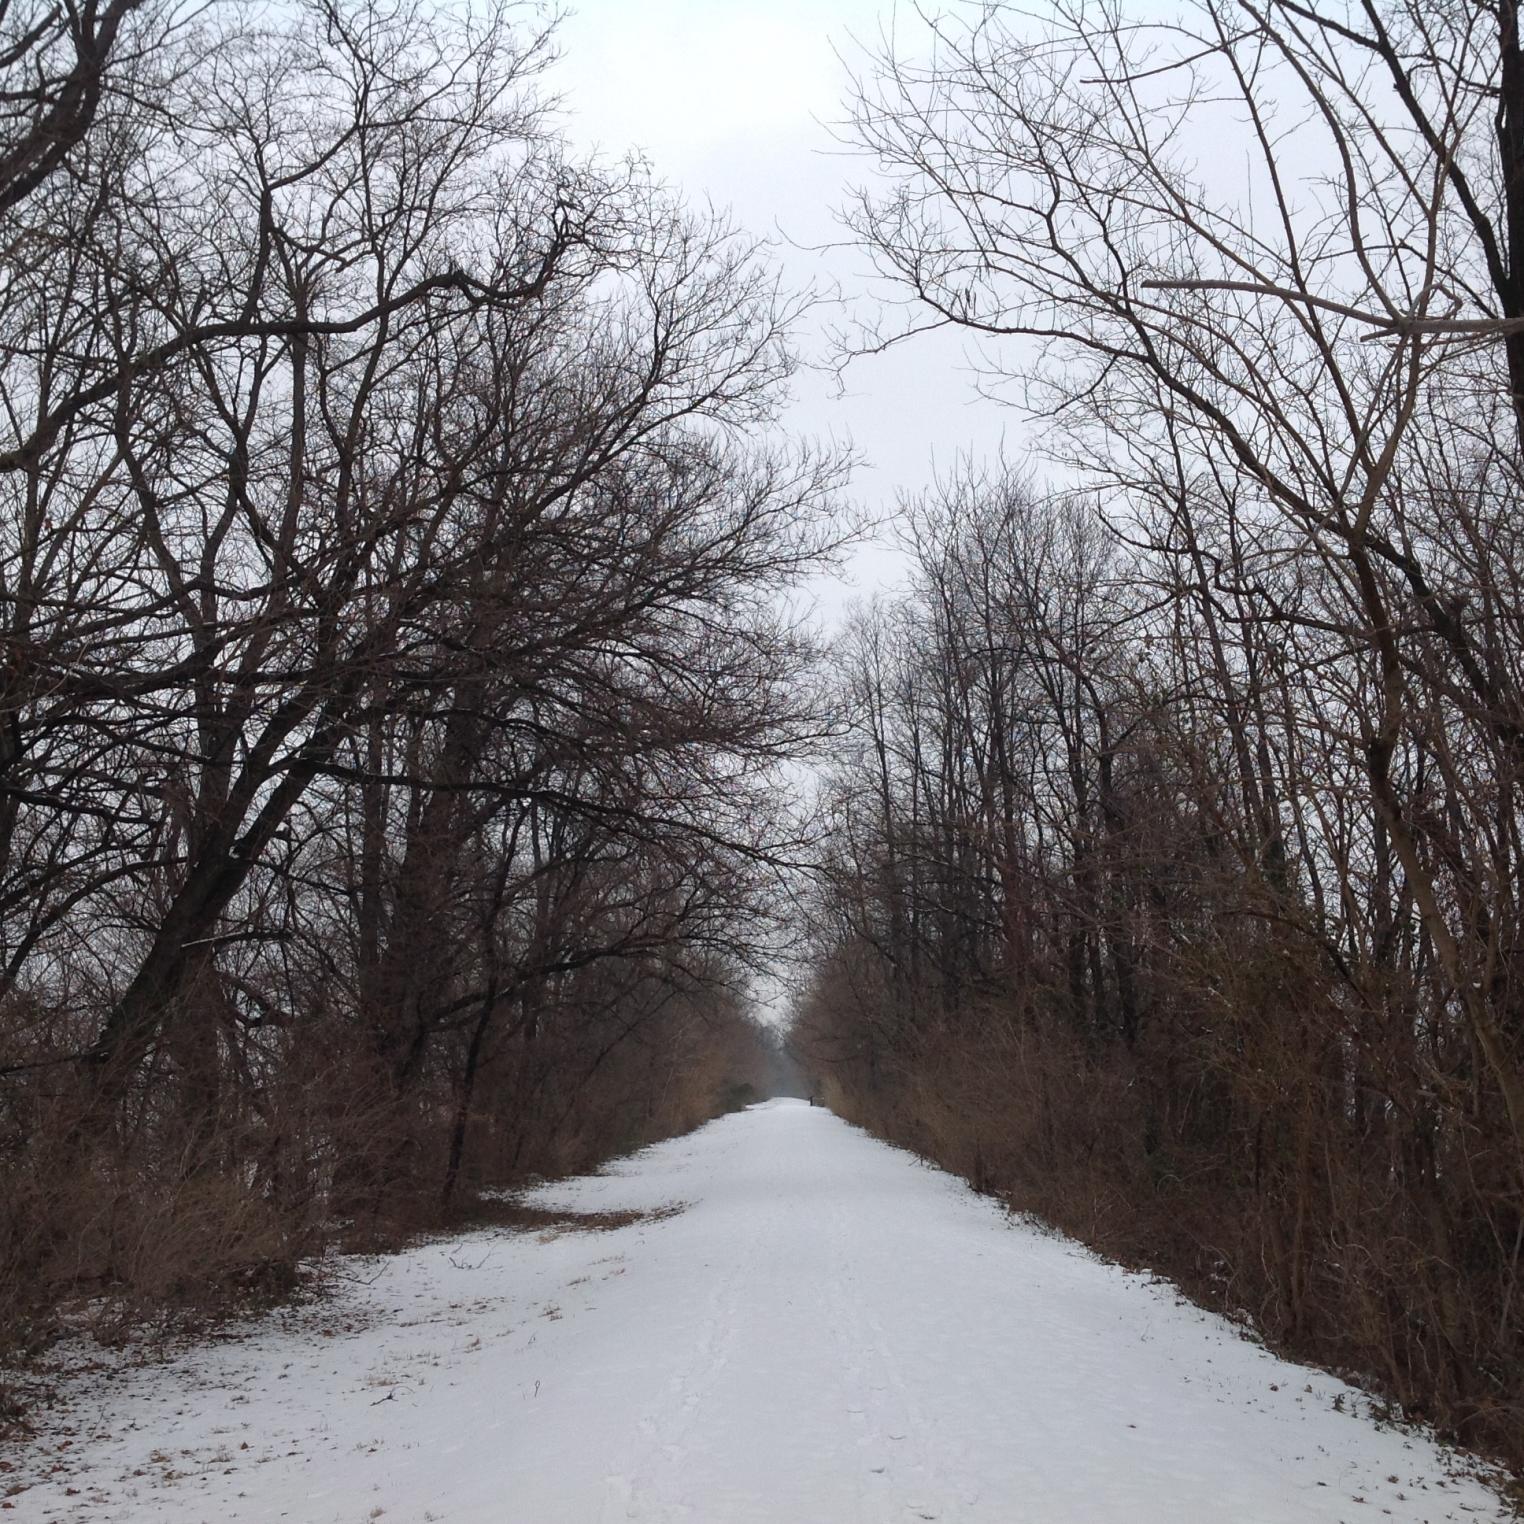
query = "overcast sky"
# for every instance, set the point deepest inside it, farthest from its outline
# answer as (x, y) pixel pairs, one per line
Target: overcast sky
(731, 100)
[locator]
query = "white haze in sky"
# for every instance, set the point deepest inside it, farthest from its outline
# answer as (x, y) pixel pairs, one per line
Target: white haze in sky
(732, 101)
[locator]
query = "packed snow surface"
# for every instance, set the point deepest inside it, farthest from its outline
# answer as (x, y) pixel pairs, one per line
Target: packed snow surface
(827, 1331)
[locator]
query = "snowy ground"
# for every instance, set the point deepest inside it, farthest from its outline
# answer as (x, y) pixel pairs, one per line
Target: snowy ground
(828, 1333)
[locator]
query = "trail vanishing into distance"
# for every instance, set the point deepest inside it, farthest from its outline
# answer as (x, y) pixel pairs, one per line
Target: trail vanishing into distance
(776, 1318)
(513, 649)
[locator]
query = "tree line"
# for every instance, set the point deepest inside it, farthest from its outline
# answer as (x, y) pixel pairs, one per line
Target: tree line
(392, 664)
(1173, 885)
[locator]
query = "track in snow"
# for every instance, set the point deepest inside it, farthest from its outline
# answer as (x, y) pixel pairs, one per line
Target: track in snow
(829, 1333)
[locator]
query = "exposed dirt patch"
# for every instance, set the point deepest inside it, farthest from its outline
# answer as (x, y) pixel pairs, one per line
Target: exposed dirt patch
(551, 1222)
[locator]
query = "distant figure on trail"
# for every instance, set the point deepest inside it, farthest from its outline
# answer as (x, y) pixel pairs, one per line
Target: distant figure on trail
(813, 1100)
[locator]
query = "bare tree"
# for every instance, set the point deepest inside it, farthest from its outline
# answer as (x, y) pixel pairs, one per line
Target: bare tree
(393, 669)
(1263, 758)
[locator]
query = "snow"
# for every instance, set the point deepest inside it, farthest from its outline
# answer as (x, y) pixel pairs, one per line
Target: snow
(827, 1332)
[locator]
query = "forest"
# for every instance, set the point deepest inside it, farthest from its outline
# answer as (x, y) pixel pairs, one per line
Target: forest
(415, 740)
(1172, 884)
(392, 653)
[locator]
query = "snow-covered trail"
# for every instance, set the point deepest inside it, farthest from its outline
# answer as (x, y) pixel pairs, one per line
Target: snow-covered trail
(828, 1333)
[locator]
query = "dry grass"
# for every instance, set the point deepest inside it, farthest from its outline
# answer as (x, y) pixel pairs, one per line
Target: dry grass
(552, 1222)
